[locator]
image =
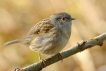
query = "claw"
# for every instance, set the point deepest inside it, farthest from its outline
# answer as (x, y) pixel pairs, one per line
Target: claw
(61, 57)
(42, 60)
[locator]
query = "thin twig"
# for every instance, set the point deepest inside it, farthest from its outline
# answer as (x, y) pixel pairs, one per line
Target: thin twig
(38, 66)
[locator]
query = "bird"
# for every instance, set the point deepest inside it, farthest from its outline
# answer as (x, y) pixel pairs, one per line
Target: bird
(49, 36)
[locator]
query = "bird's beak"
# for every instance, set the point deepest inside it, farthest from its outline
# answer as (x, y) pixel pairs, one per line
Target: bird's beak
(72, 19)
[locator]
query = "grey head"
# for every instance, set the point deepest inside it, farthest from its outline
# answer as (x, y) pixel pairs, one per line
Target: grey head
(61, 19)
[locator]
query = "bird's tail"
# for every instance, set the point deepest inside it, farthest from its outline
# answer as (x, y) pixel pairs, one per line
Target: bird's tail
(26, 41)
(11, 42)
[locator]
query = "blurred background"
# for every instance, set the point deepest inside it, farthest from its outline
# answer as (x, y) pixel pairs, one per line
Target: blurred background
(18, 16)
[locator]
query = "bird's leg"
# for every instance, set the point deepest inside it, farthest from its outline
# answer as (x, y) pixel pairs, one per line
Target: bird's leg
(61, 57)
(41, 60)
(39, 56)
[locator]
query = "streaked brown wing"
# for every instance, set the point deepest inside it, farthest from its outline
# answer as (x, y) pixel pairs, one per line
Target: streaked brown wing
(42, 27)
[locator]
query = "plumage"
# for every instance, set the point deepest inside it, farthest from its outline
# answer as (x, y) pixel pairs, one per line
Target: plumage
(48, 36)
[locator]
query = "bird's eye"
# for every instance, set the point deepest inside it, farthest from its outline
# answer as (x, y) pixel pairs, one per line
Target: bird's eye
(64, 18)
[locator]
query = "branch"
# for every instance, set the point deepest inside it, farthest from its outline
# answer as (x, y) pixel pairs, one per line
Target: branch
(38, 66)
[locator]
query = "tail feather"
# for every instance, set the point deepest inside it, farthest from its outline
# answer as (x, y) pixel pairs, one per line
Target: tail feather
(25, 41)
(11, 42)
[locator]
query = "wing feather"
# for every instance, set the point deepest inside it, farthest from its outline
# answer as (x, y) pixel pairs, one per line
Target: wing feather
(42, 27)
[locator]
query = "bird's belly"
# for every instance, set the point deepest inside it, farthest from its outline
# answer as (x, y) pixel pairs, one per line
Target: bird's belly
(56, 48)
(48, 44)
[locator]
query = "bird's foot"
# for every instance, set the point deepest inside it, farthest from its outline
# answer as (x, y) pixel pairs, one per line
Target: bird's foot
(60, 56)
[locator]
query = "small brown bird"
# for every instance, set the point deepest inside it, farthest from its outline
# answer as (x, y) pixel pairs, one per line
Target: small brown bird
(48, 36)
